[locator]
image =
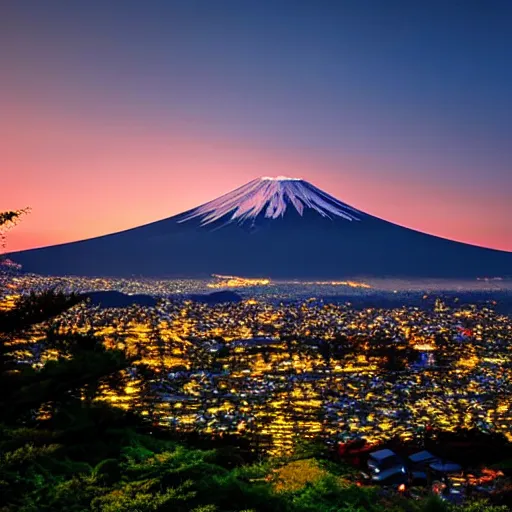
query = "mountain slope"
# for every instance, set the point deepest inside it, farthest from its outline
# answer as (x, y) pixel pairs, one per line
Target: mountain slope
(272, 227)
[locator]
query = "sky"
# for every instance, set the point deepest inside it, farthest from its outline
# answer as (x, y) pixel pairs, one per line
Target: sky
(115, 114)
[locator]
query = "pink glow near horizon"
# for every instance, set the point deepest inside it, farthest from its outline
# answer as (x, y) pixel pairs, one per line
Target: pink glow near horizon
(83, 179)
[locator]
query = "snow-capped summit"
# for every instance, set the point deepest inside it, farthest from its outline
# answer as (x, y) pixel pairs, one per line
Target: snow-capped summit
(270, 198)
(279, 178)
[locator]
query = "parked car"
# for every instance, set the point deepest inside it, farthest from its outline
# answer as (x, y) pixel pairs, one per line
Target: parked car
(393, 477)
(383, 460)
(419, 466)
(385, 467)
(421, 460)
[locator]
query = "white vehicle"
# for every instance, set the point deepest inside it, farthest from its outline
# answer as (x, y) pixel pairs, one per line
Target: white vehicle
(386, 468)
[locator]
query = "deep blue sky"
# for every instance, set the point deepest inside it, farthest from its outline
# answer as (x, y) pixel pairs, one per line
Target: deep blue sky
(402, 108)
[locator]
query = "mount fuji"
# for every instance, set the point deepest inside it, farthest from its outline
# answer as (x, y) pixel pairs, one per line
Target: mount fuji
(271, 227)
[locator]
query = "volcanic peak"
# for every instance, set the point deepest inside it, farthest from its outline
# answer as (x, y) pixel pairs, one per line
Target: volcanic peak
(279, 178)
(270, 198)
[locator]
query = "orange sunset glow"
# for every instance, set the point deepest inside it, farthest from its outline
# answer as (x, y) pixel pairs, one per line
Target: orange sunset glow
(101, 132)
(84, 178)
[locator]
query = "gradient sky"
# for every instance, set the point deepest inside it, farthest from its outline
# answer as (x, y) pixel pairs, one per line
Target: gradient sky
(118, 113)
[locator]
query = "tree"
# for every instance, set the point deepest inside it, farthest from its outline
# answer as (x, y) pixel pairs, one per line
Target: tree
(44, 408)
(8, 220)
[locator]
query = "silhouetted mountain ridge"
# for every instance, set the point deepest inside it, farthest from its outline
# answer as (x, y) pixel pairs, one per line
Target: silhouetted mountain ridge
(277, 228)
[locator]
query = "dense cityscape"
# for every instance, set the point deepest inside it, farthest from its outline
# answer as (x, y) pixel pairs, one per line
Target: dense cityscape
(305, 369)
(268, 366)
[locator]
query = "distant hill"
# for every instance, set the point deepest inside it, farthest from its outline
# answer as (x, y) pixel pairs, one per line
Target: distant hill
(114, 299)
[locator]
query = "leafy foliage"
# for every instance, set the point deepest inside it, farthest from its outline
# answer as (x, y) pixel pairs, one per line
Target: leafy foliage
(8, 220)
(297, 474)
